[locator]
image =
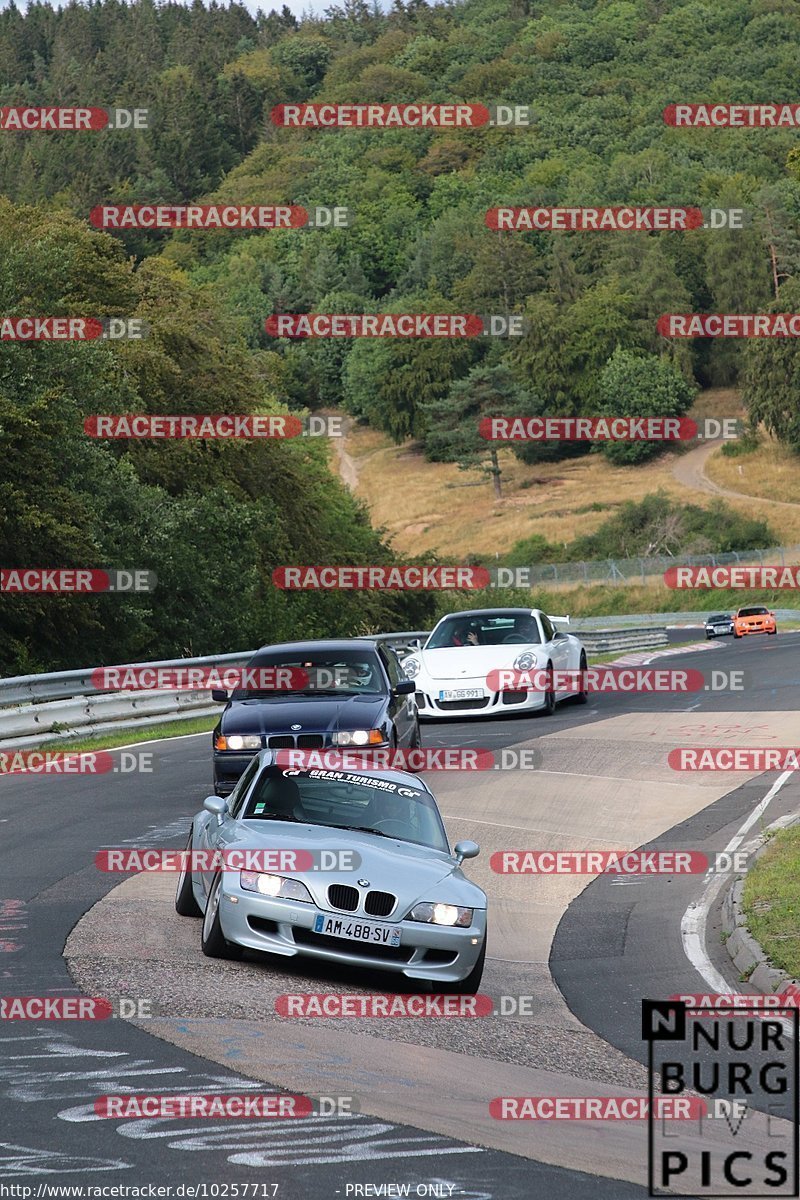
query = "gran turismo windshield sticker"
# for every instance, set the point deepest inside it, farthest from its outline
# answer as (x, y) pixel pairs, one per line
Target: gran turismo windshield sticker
(383, 785)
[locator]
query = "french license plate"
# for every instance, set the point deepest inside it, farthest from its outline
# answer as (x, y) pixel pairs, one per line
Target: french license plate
(357, 931)
(462, 694)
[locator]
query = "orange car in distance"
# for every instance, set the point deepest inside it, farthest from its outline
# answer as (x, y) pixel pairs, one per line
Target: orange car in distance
(756, 619)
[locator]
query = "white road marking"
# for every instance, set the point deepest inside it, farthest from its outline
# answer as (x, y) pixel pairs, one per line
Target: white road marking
(694, 920)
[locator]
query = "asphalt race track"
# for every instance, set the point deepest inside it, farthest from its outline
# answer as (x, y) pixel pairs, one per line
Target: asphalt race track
(584, 951)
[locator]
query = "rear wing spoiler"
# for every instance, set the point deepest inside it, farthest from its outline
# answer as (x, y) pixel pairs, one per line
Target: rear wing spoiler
(558, 620)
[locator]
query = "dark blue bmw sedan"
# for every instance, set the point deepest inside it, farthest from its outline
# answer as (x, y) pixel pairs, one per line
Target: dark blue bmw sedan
(353, 696)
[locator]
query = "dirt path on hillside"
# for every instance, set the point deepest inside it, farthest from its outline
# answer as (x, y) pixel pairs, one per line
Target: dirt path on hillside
(345, 462)
(690, 470)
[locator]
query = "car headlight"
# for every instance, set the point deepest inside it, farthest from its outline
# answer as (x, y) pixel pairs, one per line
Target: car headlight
(441, 914)
(411, 667)
(274, 885)
(358, 737)
(238, 741)
(525, 661)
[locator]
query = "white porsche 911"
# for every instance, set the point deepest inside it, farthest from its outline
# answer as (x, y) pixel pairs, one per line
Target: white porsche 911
(457, 670)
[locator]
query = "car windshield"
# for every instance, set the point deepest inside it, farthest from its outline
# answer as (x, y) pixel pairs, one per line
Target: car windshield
(344, 673)
(719, 617)
(347, 800)
(753, 612)
(485, 630)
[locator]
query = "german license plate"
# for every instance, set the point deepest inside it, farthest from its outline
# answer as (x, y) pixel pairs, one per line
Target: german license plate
(462, 694)
(357, 931)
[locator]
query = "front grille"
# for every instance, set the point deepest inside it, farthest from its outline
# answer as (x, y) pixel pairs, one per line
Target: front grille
(310, 741)
(514, 697)
(303, 741)
(379, 904)
(342, 896)
(306, 937)
(447, 705)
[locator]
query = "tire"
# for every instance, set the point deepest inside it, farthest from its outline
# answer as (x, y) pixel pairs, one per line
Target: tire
(772, 632)
(550, 695)
(213, 942)
(416, 739)
(736, 635)
(468, 986)
(583, 696)
(185, 903)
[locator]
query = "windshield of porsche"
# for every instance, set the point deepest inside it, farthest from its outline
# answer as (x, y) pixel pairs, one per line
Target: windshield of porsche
(485, 630)
(347, 800)
(343, 673)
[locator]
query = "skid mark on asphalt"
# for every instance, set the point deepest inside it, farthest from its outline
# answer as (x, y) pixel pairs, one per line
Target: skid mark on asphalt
(37, 1074)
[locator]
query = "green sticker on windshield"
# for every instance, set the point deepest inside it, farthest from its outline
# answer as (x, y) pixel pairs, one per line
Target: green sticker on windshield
(259, 808)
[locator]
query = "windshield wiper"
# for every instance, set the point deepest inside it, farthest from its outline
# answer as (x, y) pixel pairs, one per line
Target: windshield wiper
(360, 829)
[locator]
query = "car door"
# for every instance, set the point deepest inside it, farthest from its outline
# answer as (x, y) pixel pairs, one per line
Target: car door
(402, 709)
(209, 838)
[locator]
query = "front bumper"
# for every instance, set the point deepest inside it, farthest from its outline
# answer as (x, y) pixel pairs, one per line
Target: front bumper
(490, 703)
(760, 627)
(285, 927)
(719, 630)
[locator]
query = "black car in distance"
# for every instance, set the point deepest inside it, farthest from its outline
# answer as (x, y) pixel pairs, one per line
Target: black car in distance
(352, 696)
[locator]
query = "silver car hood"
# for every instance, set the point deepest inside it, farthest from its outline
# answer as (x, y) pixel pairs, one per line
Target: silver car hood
(411, 872)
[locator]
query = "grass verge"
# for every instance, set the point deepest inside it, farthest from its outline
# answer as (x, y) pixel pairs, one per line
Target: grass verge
(127, 737)
(771, 900)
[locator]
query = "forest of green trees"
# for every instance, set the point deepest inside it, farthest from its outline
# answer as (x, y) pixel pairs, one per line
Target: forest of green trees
(213, 519)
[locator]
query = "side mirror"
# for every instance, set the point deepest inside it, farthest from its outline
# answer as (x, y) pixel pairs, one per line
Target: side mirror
(405, 687)
(464, 850)
(219, 695)
(216, 806)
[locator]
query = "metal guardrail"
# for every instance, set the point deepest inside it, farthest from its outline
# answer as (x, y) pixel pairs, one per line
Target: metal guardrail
(52, 707)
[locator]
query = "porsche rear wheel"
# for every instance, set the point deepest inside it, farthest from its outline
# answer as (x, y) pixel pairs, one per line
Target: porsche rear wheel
(212, 940)
(583, 695)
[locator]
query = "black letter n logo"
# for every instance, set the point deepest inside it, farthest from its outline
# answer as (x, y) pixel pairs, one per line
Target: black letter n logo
(663, 1021)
